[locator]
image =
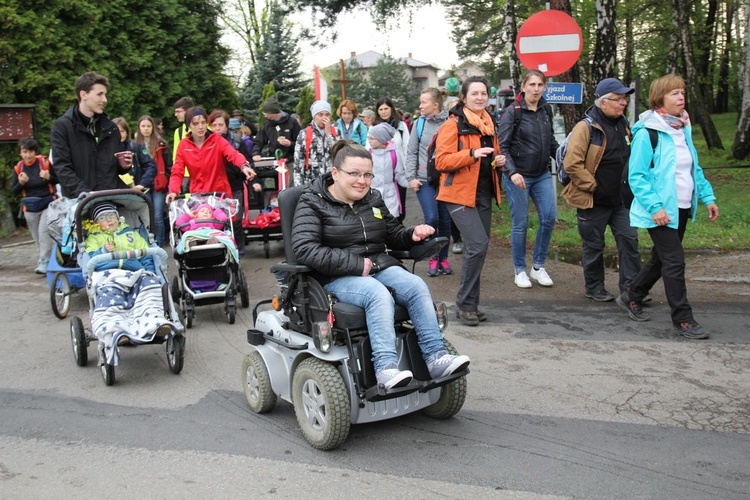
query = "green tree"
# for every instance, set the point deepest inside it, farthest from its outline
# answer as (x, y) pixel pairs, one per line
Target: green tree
(278, 63)
(306, 98)
(150, 60)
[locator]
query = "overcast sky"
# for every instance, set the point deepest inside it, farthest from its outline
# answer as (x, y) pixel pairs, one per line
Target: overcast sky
(427, 38)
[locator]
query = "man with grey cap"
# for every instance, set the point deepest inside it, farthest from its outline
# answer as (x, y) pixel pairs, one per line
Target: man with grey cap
(278, 131)
(312, 152)
(598, 151)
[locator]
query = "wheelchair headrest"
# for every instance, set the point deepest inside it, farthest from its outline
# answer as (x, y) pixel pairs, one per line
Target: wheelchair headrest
(288, 199)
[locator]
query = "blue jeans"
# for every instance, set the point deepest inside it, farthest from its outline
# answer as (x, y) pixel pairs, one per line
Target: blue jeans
(542, 193)
(159, 202)
(371, 294)
(435, 214)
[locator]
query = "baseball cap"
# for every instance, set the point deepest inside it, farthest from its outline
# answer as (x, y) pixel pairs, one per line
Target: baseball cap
(611, 85)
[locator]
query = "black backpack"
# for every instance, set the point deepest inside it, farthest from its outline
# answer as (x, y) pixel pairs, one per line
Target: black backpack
(433, 175)
(626, 194)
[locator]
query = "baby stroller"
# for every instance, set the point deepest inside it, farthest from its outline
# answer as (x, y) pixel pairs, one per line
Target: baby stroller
(122, 303)
(205, 250)
(315, 352)
(261, 221)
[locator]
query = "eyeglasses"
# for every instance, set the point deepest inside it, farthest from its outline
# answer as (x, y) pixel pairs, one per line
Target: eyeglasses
(368, 176)
(107, 216)
(618, 99)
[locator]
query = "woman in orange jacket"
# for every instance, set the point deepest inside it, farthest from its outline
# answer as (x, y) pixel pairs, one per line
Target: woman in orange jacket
(467, 157)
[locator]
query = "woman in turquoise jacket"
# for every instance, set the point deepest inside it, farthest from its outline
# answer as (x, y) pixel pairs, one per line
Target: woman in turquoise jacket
(349, 126)
(667, 183)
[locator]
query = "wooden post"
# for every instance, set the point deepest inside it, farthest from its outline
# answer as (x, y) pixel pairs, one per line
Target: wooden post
(342, 79)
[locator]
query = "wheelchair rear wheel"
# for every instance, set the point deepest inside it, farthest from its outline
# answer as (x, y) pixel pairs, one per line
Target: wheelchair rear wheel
(452, 397)
(321, 403)
(257, 384)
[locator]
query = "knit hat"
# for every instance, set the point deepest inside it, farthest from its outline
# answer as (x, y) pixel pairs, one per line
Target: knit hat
(271, 106)
(234, 124)
(319, 106)
(368, 113)
(382, 132)
(103, 208)
(202, 206)
(237, 112)
(611, 86)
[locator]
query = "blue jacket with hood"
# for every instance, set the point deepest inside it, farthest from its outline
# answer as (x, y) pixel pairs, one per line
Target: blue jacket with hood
(656, 188)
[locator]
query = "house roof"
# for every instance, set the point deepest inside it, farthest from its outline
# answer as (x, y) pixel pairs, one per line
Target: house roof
(370, 59)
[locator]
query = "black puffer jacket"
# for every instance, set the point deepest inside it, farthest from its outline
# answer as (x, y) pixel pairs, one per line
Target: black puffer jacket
(267, 140)
(333, 238)
(81, 161)
(531, 146)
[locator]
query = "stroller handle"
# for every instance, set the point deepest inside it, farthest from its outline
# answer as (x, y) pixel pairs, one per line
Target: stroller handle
(129, 254)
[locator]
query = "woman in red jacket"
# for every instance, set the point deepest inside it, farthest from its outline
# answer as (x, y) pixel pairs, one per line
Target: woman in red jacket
(204, 153)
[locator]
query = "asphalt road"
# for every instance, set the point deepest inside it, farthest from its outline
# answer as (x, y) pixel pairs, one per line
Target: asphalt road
(567, 398)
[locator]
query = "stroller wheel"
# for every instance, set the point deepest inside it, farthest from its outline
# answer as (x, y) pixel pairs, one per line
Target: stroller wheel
(188, 312)
(231, 311)
(59, 295)
(174, 289)
(244, 290)
(107, 371)
(78, 340)
(176, 353)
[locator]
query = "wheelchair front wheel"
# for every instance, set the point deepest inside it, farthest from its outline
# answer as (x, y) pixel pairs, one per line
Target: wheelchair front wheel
(321, 403)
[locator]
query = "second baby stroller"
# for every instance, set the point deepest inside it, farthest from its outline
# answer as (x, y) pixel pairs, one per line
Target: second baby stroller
(204, 247)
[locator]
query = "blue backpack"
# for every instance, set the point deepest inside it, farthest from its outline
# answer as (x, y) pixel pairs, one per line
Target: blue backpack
(562, 175)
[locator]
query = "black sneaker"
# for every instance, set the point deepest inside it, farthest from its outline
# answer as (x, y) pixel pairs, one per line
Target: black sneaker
(600, 296)
(635, 311)
(691, 330)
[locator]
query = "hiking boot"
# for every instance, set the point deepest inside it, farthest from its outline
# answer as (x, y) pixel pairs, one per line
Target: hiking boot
(445, 267)
(481, 316)
(541, 276)
(458, 247)
(433, 270)
(634, 309)
(391, 377)
(600, 296)
(691, 330)
(445, 364)
(522, 280)
(468, 318)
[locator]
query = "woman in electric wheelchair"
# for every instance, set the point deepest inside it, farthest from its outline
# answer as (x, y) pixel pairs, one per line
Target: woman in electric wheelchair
(341, 230)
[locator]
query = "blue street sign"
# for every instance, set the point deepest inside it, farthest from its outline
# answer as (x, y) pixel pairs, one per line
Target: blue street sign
(564, 93)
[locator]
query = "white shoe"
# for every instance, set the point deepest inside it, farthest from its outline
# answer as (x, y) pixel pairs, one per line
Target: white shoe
(541, 276)
(522, 281)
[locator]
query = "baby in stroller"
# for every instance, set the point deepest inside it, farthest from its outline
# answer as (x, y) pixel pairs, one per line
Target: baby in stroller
(205, 216)
(207, 223)
(126, 290)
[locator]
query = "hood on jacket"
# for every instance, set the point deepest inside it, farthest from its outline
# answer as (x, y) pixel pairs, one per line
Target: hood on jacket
(649, 119)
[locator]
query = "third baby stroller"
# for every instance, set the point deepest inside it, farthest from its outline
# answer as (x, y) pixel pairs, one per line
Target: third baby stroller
(204, 247)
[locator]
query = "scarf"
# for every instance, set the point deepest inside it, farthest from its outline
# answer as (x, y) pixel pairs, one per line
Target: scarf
(676, 122)
(481, 122)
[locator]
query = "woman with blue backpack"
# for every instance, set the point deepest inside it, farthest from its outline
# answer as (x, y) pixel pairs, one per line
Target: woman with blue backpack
(526, 136)
(435, 213)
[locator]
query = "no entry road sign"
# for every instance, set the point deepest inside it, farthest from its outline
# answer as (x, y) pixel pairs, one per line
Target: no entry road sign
(550, 41)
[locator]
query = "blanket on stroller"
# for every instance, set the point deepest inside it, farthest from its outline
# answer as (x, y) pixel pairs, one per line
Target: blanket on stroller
(203, 234)
(129, 304)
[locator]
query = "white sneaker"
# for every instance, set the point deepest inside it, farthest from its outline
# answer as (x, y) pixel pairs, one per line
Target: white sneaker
(541, 276)
(522, 281)
(392, 377)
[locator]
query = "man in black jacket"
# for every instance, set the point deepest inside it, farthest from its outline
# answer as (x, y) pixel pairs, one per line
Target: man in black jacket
(84, 142)
(279, 131)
